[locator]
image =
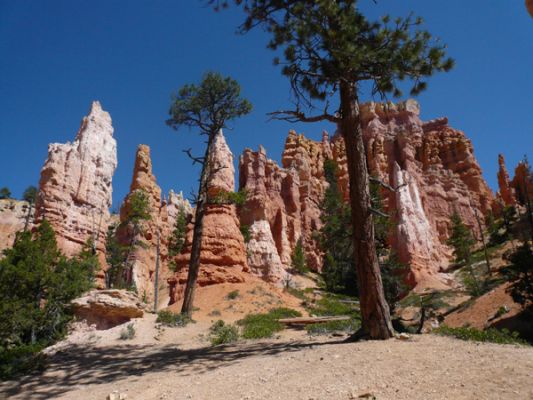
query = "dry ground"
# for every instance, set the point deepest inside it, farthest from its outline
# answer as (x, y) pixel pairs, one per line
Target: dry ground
(179, 363)
(427, 367)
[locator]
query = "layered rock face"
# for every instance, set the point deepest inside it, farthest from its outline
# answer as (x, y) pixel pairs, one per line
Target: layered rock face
(437, 164)
(282, 206)
(13, 217)
(75, 187)
(431, 163)
(223, 253)
(506, 192)
(157, 228)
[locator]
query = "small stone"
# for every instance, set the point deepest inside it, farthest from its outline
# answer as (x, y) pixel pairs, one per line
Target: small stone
(404, 336)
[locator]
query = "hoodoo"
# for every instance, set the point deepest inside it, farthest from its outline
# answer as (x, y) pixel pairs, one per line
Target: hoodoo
(75, 188)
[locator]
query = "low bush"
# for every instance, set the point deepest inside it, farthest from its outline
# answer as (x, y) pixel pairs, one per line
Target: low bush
(127, 333)
(490, 335)
(233, 295)
(331, 305)
(21, 360)
(168, 318)
(257, 326)
(222, 333)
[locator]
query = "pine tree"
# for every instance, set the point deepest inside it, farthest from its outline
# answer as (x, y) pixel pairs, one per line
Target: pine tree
(335, 237)
(462, 242)
(329, 48)
(5, 193)
(177, 239)
(208, 107)
(36, 285)
(30, 195)
(298, 262)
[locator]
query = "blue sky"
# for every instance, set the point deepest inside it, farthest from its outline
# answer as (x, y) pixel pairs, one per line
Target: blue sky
(58, 56)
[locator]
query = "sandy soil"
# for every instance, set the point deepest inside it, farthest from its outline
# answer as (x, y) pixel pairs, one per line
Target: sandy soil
(179, 363)
(294, 366)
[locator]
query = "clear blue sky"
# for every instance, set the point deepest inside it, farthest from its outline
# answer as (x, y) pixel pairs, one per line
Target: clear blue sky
(58, 56)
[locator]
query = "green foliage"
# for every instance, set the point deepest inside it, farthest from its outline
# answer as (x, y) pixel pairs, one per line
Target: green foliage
(30, 194)
(208, 106)
(256, 326)
(490, 335)
(19, 360)
(225, 197)
(127, 333)
(522, 272)
(116, 254)
(222, 333)
(139, 207)
(298, 262)
(168, 318)
(461, 240)
(37, 284)
(333, 305)
(326, 43)
(233, 295)
(245, 230)
(335, 237)
(5, 193)
(177, 239)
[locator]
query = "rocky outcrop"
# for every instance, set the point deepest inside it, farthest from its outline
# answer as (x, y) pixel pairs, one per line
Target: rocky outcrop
(223, 253)
(433, 164)
(522, 182)
(529, 6)
(75, 185)
(263, 257)
(107, 308)
(155, 230)
(506, 192)
(13, 217)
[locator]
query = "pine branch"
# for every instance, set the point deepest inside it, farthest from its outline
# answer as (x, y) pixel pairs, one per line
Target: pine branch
(298, 116)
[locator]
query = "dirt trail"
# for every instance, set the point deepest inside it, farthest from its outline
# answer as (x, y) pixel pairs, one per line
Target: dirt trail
(294, 366)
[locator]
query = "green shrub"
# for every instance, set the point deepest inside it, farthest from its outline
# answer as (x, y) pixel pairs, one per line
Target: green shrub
(257, 326)
(222, 333)
(127, 333)
(331, 305)
(168, 318)
(490, 335)
(233, 295)
(21, 360)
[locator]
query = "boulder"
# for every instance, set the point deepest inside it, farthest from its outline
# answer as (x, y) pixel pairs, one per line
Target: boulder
(107, 308)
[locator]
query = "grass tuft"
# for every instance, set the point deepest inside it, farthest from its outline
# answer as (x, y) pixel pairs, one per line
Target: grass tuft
(168, 318)
(222, 333)
(257, 326)
(490, 335)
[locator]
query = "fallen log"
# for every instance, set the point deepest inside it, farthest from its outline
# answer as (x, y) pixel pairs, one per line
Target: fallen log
(312, 320)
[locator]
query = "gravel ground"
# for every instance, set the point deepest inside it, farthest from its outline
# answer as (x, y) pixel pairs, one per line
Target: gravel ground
(293, 366)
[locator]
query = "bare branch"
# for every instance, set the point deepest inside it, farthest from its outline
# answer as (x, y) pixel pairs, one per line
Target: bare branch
(298, 116)
(386, 185)
(378, 212)
(199, 160)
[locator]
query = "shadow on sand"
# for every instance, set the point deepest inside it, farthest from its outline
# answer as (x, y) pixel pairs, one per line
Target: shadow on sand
(77, 366)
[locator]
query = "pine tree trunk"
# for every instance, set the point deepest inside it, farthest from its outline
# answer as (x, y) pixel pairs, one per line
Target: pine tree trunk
(194, 262)
(375, 314)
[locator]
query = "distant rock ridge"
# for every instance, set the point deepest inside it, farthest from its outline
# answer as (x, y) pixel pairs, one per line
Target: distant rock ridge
(506, 192)
(434, 161)
(75, 188)
(13, 216)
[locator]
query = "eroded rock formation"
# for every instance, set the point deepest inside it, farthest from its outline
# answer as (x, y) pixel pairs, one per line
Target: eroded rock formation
(143, 240)
(522, 182)
(433, 164)
(13, 217)
(223, 253)
(506, 192)
(75, 185)
(283, 203)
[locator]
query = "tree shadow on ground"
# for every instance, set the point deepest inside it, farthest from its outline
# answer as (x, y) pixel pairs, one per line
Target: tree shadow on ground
(78, 366)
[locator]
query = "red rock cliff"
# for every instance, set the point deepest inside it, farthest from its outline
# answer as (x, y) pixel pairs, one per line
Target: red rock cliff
(432, 163)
